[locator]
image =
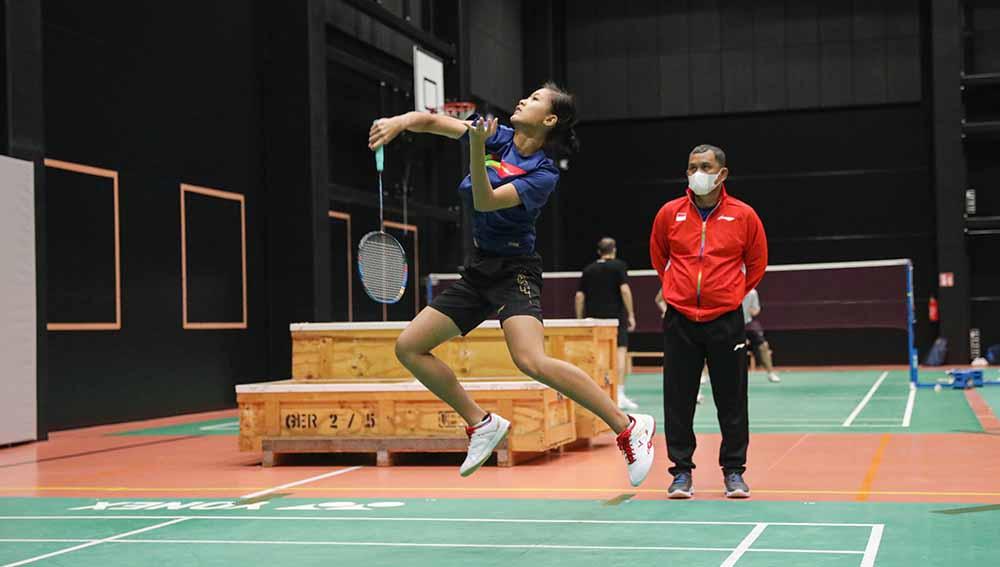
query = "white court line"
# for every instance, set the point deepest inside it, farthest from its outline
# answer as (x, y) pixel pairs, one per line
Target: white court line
(228, 425)
(432, 545)
(481, 545)
(299, 482)
(788, 451)
(818, 551)
(37, 540)
(94, 542)
(908, 414)
(831, 420)
(865, 400)
(871, 550)
(443, 520)
(810, 425)
(744, 545)
(235, 542)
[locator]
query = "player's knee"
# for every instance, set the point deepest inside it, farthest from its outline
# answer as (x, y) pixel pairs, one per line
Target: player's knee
(529, 364)
(406, 348)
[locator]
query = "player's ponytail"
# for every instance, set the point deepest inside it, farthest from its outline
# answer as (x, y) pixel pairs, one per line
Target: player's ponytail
(562, 139)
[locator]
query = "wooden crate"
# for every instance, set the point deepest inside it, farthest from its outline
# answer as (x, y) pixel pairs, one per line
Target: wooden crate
(353, 351)
(541, 418)
(365, 351)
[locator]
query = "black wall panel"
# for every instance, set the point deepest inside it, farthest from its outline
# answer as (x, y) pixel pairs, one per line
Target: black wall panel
(705, 82)
(641, 28)
(733, 56)
(870, 79)
(736, 22)
(769, 71)
(364, 28)
(161, 107)
(675, 94)
(81, 264)
(984, 175)
(801, 22)
(985, 288)
(342, 252)
(983, 24)
(4, 134)
(612, 56)
(804, 75)
(496, 53)
(835, 78)
(737, 85)
(214, 259)
(982, 36)
(581, 48)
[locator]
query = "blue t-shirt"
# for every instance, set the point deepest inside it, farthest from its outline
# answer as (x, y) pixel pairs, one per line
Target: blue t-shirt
(706, 212)
(510, 232)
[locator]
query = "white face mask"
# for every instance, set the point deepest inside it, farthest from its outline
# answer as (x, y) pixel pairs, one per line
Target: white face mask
(702, 183)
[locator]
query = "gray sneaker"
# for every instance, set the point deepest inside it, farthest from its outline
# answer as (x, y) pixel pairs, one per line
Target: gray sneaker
(682, 487)
(735, 487)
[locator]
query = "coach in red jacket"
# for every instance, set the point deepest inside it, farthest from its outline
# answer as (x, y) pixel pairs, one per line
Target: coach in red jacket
(709, 250)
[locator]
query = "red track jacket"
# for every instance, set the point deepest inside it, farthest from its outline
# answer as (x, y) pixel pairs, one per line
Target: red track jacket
(707, 267)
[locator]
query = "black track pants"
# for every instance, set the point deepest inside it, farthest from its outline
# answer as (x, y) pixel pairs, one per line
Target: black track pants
(687, 345)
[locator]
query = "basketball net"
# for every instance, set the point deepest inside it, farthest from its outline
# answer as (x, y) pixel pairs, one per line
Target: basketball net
(459, 110)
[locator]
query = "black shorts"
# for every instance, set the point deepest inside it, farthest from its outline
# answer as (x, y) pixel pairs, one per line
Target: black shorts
(755, 332)
(623, 333)
(506, 285)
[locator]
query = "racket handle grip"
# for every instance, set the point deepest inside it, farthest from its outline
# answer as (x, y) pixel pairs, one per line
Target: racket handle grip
(379, 158)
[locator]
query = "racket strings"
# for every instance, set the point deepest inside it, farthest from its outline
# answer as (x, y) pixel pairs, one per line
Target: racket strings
(381, 259)
(383, 267)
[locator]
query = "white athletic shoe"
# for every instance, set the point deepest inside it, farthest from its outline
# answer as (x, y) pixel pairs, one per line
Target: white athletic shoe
(700, 398)
(636, 444)
(773, 377)
(626, 403)
(483, 438)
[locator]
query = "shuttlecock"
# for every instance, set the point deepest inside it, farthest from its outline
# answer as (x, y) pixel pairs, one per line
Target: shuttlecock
(937, 387)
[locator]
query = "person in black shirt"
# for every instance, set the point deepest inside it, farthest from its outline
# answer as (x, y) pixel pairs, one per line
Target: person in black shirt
(605, 294)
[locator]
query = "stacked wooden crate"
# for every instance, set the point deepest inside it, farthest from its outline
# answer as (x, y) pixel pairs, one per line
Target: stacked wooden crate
(349, 393)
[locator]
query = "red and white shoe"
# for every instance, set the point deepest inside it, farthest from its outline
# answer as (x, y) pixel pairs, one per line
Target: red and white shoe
(483, 439)
(636, 444)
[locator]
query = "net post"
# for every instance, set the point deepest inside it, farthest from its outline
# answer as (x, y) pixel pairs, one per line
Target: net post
(911, 319)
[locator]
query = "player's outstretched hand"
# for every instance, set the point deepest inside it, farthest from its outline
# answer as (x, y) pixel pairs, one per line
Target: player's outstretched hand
(481, 129)
(384, 130)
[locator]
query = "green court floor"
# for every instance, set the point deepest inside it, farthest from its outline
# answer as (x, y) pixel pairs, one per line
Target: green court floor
(802, 402)
(301, 532)
(992, 396)
(826, 402)
(225, 426)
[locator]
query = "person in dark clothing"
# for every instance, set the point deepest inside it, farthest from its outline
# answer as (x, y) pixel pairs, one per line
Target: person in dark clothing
(605, 294)
(511, 176)
(759, 346)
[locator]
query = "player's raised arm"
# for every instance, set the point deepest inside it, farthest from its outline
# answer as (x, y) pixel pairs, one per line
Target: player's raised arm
(385, 130)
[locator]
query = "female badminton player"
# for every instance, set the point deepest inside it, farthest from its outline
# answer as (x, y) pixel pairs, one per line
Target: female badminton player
(511, 177)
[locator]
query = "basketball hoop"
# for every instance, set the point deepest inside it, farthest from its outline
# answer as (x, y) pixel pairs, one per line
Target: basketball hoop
(459, 110)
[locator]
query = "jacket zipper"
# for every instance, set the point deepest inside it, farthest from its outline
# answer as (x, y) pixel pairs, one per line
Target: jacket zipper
(701, 254)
